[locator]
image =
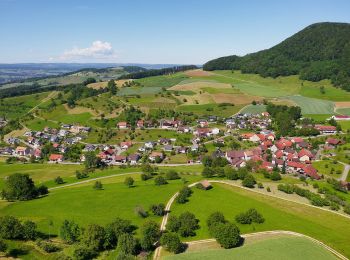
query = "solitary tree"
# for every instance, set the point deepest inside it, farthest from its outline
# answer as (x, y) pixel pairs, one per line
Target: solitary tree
(249, 181)
(70, 231)
(19, 187)
(98, 185)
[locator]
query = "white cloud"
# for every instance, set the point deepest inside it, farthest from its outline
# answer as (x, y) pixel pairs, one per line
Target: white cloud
(98, 51)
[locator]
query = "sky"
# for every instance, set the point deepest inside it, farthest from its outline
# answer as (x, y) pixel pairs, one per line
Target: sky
(153, 31)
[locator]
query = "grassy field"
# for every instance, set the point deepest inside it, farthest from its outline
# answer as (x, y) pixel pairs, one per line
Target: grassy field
(344, 111)
(77, 202)
(251, 109)
(325, 167)
(210, 109)
(345, 125)
(318, 117)
(312, 105)
(270, 248)
(39, 172)
(324, 226)
(16, 107)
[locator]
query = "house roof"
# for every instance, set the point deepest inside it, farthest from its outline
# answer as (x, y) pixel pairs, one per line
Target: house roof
(325, 127)
(55, 157)
(311, 172)
(305, 152)
(235, 154)
(333, 141)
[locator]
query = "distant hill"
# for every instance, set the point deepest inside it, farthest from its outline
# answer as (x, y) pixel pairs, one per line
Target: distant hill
(320, 51)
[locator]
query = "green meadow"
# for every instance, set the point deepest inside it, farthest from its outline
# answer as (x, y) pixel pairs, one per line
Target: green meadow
(273, 248)
(279, 215)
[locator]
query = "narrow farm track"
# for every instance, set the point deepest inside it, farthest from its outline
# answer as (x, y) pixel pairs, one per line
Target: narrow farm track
(345, 173)
(172, 199)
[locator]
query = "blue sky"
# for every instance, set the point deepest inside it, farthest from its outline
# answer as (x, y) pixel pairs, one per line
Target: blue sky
(152, 31)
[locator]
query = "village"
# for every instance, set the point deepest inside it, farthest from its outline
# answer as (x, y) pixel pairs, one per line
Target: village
(288, 154)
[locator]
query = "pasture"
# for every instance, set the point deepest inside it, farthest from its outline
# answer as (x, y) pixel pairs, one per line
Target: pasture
(269, 248)
(278, 214)
(313, 105)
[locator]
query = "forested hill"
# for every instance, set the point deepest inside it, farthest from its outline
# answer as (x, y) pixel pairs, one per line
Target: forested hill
(320, 51)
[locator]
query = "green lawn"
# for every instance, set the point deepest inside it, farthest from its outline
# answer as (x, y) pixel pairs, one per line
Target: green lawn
(60, 114)
(345, 125)
(165, 81)
(39, 172)
(279, 214)
(85, 205)
(331, 93)
(38, 124)
(344, 111)
(318, 117)
(270, 248)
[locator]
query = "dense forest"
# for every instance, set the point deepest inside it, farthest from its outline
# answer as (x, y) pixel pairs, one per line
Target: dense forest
(158, 72)
(320, 51)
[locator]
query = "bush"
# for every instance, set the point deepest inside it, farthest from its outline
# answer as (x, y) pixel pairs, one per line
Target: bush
(249, 181)
(275, 176)
(260, 185)
(59, 180)
(347, 209)
(160, 180)
(213, 220)
(184, 193)
(98, 185)
(158, 209)
(83, 253)
(3, 246)
(127, 244)
(188, 224)
(69, 232)
(171, 242)
(10, 228)
(145, 176)
(172, 175)
(268, 189)
(29, 230)
(139, 210)
(47, 246)
(94, 237)
(208, 172)
(129, 181)
(252, 215)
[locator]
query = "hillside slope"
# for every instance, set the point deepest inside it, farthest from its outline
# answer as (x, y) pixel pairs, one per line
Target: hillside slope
(320, 51)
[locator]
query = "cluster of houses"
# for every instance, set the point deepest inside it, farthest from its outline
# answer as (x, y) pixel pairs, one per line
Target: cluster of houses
(32, 141)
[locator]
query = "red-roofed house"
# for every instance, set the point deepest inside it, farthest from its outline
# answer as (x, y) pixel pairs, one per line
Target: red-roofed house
(310, 171)
(297, 140)
(326, 129)
(232, 155)
(56, 157)
(122, 125)
(125, 145)
(333, 141)
(305, 155)
(279, 154)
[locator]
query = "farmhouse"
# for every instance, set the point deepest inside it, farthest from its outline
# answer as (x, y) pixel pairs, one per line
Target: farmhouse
(341, 117)
(326, 129)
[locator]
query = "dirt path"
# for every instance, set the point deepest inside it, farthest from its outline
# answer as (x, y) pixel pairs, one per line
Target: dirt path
(345, 173)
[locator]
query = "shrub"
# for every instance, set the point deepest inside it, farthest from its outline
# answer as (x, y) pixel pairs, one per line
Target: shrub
(260, 185)
(188, 224)
(173, 224)
(83, 253)
(171, 242)
(158, 209)
(127, 244)
(172, 175)
(10, 228)
(3, 246)
(160, 180)
(275, 176)
(249, 181)
(213, 220)
(59, 180)
(268, 189)
(29, 230)
(252, 215)
(69, 232)
(47, 246)
(98, 185)
(139, 210)
(184, 193)
(129, 181)
(145, 176)
(94, 237)
(347, 209)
